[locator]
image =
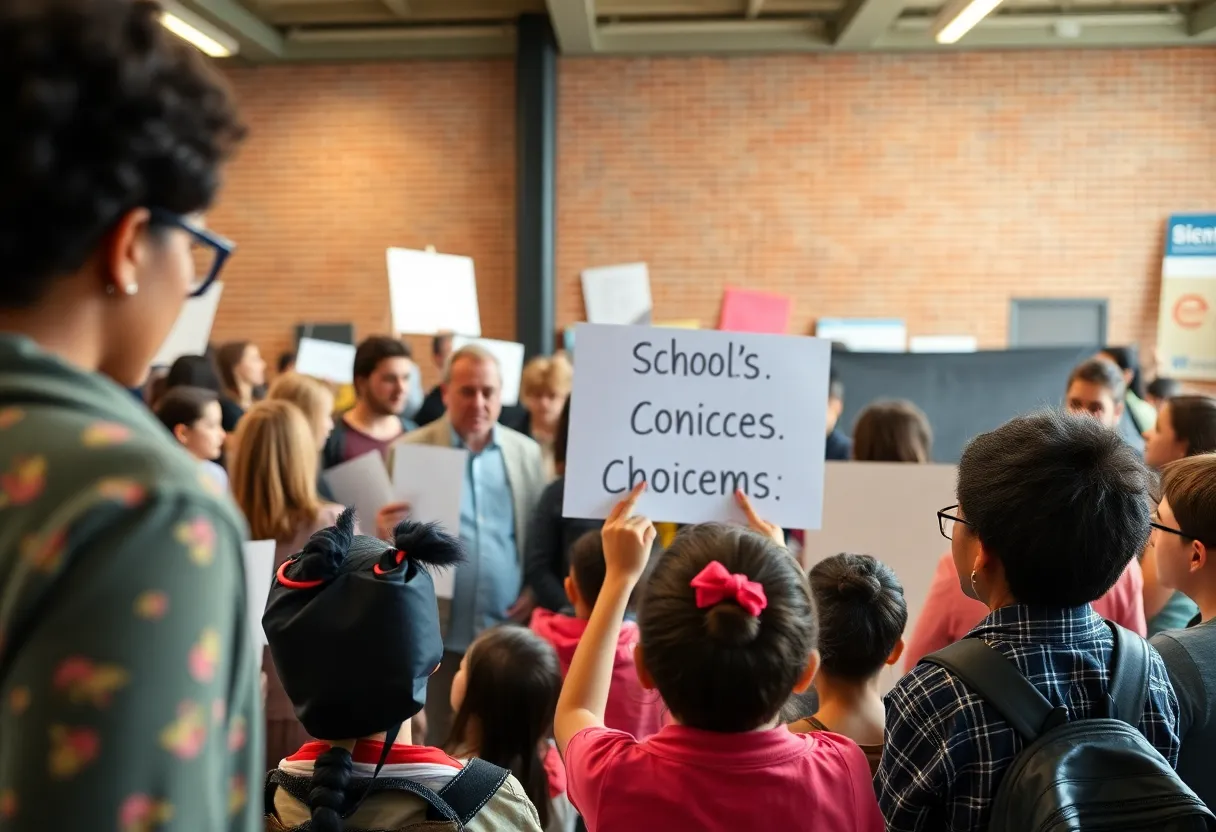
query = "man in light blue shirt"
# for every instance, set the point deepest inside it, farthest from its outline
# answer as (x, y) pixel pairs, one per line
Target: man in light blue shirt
(503, 479)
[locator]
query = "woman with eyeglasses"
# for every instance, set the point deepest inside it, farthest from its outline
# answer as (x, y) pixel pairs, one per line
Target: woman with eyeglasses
(1186, 426)
(129, 689)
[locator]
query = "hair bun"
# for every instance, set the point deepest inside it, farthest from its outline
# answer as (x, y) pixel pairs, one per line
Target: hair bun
(861, 586)
(729, 624)
(326, 551)
(427, 545)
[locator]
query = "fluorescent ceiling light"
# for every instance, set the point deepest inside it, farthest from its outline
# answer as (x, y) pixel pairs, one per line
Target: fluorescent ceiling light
(209, 39)
(959, 18)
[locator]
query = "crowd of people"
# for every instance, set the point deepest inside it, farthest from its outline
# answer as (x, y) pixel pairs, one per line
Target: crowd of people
(610, 675)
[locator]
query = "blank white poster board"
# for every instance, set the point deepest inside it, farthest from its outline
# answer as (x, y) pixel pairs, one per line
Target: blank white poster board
(943, 343)
(362, 483)
(510, 357)
(697, 414)
(432, 293)
(430, 479)
(326, 360)
(888, 510)
(865, 334)
(259, 571)
(192, 330)
(617, 294)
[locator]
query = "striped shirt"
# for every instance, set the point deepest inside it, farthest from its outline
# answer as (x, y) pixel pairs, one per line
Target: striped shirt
(946, 750)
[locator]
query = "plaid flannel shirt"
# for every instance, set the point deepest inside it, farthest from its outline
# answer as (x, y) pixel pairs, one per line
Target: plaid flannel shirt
(946, 750)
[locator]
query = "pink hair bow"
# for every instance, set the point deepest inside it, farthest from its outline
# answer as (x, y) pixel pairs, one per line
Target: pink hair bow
(715, 585)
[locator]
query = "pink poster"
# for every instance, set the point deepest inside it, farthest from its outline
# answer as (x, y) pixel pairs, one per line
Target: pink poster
(744, 310)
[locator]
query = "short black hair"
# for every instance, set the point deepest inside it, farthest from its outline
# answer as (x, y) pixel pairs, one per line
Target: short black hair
(1104, 373)
(104, 111)
(193, 371)
(1061, 500)
(286, 360)
(1164, 388)
(835, 387)
(588, 566)
(371, 351)
(862, 614)
(183, 406)
(1128, 358)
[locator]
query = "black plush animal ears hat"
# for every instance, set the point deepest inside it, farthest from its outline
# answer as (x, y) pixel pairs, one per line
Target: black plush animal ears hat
(353, 627)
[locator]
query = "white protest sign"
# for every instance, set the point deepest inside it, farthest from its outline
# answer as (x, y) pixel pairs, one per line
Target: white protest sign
(430, 479)
(432, 293)
(617, 294)
(326, 360)
(888, 510)
(192, 331)
(362, 483)
(510, 357)
(259, 571)
(943, 343)
(698, 414)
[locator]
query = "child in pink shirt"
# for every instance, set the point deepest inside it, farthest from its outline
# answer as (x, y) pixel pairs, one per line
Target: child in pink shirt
(948, 614)
(727, 629)
(630, 708)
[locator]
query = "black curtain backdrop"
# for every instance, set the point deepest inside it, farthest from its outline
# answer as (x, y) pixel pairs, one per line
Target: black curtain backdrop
(963, 394)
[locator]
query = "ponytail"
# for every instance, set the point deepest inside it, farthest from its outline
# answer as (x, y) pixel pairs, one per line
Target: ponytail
(330, 776)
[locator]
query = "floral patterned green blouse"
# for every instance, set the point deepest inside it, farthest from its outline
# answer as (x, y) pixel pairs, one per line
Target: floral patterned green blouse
(129, 693)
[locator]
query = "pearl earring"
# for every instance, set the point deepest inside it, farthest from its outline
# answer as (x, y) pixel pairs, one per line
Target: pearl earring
(128, 289)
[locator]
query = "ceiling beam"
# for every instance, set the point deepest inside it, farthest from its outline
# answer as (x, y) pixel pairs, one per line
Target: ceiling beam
(1202, 23)
(753, 8)
(862, 22)
(400, 43)
(712, 37)
(259, 40)
(1039, 32)
(400, 8)
(575, 26)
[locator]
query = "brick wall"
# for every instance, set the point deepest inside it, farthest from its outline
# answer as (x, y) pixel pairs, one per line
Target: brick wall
(343, 162)
(929, 187)
(932, 187)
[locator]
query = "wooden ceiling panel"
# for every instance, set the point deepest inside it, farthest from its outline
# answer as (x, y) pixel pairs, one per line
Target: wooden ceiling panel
(668, 9)
(338, 12)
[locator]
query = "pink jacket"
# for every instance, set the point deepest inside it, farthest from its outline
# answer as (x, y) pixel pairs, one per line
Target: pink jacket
(630, 708)
(948, 614)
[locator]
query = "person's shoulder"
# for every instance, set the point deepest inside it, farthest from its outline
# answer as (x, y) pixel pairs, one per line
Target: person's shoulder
(508, 809)
(509, 437)
(432, 433)
(1194, 646)
(929, 694)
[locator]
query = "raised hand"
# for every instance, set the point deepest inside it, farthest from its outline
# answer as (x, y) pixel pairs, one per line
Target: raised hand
(757, 523)
(627, 538)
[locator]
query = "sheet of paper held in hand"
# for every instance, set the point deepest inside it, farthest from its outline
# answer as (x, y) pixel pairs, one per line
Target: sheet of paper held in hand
(697, 414)
(430, 479)
(363, 484)
(259, 570)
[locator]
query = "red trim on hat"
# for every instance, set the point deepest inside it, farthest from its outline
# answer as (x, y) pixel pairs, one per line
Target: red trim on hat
(400, 560)
(369, 751)
(281, 576)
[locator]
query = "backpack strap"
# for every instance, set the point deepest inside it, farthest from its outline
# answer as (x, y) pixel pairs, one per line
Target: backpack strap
(1129, 675)
(472, 788)
(459, 801)
(998, 682)
(300, 787)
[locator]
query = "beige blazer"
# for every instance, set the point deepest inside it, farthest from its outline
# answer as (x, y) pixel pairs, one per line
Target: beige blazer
(522, 457)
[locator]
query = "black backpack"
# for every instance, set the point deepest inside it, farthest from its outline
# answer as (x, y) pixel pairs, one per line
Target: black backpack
(1096, 775)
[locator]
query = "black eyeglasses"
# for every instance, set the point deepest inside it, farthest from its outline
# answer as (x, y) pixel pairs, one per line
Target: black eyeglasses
(946, 521)
(208, 249)
(1168, 529)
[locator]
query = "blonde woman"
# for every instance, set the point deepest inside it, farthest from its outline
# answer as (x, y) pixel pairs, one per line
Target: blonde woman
(274, 480)
(542, 391)
(316, 400)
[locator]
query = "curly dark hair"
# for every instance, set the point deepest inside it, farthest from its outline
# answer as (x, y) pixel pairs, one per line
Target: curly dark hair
(104, 111)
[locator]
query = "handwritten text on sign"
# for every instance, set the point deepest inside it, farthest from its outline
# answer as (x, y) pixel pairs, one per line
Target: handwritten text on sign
(698, 414)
